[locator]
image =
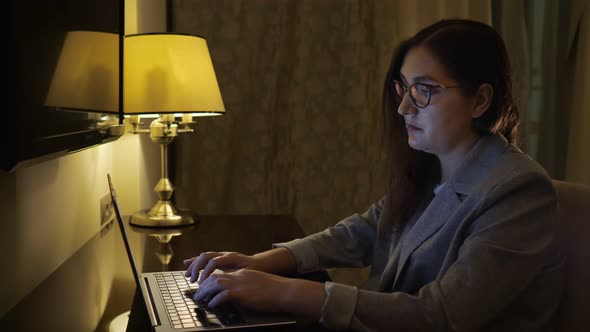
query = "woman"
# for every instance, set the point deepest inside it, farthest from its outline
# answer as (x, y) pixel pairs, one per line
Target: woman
(464, 236)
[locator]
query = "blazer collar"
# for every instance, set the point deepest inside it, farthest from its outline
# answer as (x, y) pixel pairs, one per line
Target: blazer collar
(481, 157)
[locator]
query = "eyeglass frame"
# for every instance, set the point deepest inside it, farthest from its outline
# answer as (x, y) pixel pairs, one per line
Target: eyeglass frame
(429, 86)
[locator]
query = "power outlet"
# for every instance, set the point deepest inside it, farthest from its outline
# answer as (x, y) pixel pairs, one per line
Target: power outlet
(106, 209)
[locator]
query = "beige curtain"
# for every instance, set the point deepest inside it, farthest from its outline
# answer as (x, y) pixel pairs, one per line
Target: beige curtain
(302, 84)
(578, 149)
(508, 19)
(549, 46)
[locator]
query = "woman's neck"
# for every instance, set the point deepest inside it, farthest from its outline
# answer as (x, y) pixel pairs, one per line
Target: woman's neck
(450, 161)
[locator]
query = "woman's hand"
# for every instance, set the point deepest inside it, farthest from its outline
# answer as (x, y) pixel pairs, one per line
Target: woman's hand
(210, 261)
(249, 288)
(263, 292)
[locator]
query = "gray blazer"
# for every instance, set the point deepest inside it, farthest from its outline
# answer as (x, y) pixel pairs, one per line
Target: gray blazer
(482, 256)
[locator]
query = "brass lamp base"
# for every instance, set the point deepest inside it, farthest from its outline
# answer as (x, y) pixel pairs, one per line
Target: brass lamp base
(163, 131)
(163, 214)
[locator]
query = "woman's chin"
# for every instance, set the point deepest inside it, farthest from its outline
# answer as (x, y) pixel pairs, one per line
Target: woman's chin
(414, 144)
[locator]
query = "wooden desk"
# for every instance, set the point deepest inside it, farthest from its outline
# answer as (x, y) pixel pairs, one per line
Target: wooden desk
(95, 285)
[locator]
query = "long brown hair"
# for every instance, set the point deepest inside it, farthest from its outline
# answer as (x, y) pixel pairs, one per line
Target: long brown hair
(472, 53)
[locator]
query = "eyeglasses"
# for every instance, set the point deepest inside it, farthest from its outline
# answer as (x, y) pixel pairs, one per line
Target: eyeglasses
(420, 93)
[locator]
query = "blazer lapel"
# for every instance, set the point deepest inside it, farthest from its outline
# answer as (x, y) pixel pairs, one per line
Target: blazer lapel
(436, 214)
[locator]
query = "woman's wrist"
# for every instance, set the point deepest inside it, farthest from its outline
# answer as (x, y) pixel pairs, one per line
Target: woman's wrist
(302, 297)
(276, 261)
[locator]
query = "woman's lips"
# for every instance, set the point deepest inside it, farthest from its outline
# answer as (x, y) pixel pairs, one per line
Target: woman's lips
(410, 127)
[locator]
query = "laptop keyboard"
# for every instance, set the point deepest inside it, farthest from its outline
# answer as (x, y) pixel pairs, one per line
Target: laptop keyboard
(177, 293)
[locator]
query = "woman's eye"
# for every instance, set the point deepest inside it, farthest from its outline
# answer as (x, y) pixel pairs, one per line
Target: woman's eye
(423, 89)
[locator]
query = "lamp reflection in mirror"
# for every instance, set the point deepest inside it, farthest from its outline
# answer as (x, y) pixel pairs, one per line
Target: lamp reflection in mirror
(86, 77)
(171, 77)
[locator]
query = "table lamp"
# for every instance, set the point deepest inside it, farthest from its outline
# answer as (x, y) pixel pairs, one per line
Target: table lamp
(170, 77)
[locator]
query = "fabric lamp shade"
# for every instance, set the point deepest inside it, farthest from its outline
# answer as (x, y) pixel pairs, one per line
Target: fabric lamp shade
(86, 77)
(169, 73)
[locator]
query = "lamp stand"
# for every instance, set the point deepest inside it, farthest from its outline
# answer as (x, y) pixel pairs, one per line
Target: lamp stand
(163, 214)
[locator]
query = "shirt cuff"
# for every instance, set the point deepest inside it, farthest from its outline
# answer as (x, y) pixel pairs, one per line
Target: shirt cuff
(305, 256)
(340, 305)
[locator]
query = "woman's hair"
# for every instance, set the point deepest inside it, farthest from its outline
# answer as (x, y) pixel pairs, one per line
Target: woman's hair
(472, 53)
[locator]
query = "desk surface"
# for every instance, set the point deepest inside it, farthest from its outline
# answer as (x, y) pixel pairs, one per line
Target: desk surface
(78, 286)
(247, 234)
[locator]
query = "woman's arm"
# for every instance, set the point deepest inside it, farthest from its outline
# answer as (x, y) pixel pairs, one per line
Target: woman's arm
(347, 244)
(275, 261)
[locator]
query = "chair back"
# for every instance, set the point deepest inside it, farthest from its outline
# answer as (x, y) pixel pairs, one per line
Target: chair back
(574, 232)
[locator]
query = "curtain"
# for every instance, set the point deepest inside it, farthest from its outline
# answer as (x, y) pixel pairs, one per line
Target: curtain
(549, 45)
(302, 82)
(509, 20)
(577, 168)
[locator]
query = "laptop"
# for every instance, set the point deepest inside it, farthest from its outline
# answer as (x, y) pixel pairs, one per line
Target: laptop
(168, 297)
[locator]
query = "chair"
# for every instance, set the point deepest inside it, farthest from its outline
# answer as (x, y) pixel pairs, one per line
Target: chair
(574, 231)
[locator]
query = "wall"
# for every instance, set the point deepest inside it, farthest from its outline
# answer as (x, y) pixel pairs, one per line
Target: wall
(51, 209)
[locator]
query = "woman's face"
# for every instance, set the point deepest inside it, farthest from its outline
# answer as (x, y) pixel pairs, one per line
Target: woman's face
(444, 126)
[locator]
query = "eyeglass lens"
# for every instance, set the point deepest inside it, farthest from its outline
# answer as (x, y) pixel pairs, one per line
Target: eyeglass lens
(419, 93)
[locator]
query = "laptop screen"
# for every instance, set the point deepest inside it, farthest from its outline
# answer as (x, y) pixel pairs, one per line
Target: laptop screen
(123, 230)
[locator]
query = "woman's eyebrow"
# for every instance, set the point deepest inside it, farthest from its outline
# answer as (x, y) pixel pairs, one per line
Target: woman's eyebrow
(418, 79)
(424, 78)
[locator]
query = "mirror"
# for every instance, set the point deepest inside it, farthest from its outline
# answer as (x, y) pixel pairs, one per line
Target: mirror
(40, 125)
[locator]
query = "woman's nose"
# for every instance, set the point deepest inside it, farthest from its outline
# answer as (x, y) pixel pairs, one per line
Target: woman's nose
(406, 106)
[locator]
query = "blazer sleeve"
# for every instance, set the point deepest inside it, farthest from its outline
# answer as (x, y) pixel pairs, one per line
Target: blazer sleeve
(347, 244)
(507, 245)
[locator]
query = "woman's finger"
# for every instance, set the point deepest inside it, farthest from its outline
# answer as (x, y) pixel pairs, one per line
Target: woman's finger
(198, 264)
(212, 286)
(221, 298)
(211, 266)
(226, 262)
(187, 262)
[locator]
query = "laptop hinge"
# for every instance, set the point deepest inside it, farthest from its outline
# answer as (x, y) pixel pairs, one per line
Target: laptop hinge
(150, 304)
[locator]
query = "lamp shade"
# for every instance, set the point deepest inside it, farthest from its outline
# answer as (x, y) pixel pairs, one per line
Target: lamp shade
(169, 73)
(87, 74)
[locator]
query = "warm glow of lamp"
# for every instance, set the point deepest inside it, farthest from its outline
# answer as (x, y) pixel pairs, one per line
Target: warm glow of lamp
(87, 74)
(170, 73)
(169, 76)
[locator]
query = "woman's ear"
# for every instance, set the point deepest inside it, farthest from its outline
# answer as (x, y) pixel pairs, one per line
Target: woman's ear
(483, 99)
